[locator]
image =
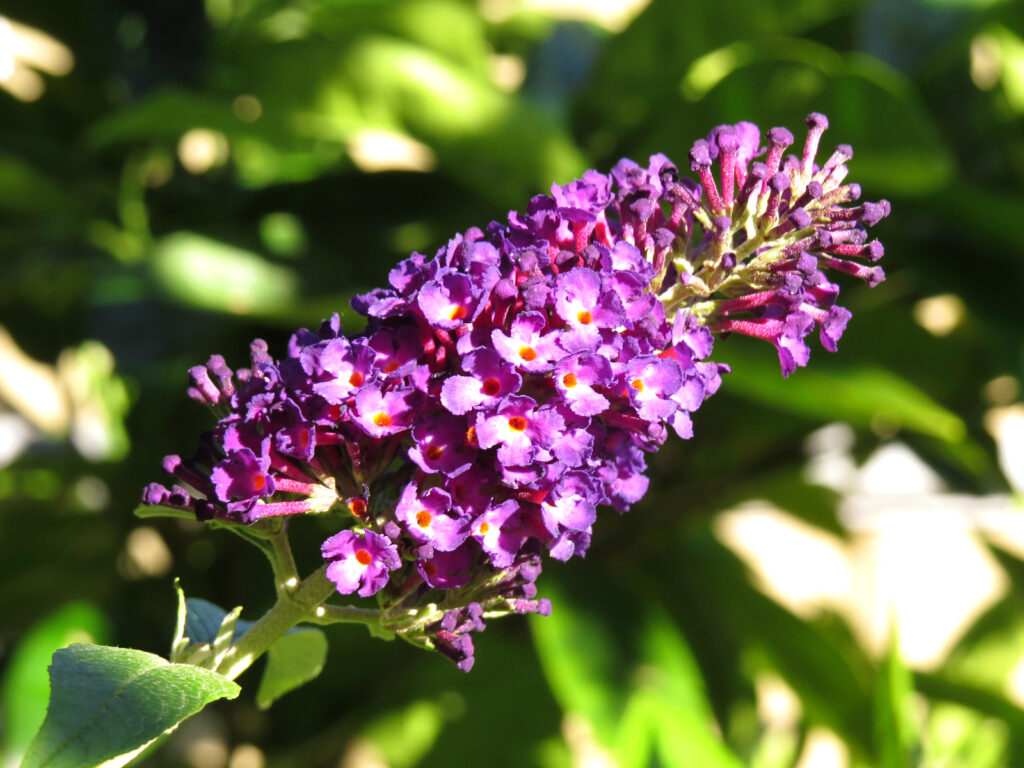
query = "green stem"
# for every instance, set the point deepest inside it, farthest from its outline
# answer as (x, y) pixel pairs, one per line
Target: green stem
(344, 614)
(286, 574)
(290, 609)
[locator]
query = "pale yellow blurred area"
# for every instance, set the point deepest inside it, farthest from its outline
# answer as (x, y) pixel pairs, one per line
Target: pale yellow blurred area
(913, 562)
(24, 53)
(613, 15)
(79, 398)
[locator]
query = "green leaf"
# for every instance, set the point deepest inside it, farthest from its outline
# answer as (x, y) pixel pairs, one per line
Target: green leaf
(403, 737)
(680, 713)
(108, 704)
(579, 658)
(214, 276)
(26, 685)
(204, 620)
(858, 395)
(899, 151)
(294, 659)
(894, 725)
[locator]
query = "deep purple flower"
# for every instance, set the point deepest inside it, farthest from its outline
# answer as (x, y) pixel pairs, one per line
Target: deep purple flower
(241, 475)
(359, 561)
(441, 445)
(447, 570)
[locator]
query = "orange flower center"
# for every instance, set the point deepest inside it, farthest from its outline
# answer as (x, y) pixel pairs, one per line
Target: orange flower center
(484, 528)
(638, 385)
(363, 557)
(517, 423)
(585, 317)
(382, 419)
(528, 353)
(423, 518)
(391, 367)
(259, 480)
(491, 387)
(356, 379)
(435, 452)
(357, 507)
(471, 436)
(458, 312)
(569, 380)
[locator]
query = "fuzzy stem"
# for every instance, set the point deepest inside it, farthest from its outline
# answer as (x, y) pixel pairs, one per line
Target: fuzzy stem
(288, 611)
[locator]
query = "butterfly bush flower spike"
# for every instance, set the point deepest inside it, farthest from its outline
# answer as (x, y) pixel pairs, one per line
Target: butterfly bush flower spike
(507, 388)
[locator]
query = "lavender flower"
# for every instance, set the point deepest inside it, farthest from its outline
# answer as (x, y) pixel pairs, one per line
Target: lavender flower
(509, 386)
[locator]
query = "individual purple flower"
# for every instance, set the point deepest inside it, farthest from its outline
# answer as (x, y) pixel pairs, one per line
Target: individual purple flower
(241, 476)
(498, 532)
(569, 543)
(440, 445)
(397, 351)
(490, 380)
(650, 382)
(343, 367)
(526, 345)
(294, 435)
(786, 333)
(381, 413)
(571, 503)
(575, 378)
(520, 429)
(449, 300)
(585, 306)
(426, 517)
(360, 562)
(447, 570)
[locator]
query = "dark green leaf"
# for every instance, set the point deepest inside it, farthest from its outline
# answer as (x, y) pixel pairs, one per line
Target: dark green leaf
(858, 395)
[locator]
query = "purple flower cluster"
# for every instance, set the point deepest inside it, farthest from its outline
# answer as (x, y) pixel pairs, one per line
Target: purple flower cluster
(508, 386)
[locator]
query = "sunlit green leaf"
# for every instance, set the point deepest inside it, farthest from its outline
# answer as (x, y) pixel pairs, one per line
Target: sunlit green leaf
(204, 273)
(108, 704)
(579, 658)
(894, 726)
(25, 685)
(680, 713)
(403, 737)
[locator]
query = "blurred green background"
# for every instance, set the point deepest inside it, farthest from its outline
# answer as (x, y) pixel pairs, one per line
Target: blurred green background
(828, 574)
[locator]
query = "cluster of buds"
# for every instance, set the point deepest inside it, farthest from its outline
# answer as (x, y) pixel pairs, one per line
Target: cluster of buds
(510, 385)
